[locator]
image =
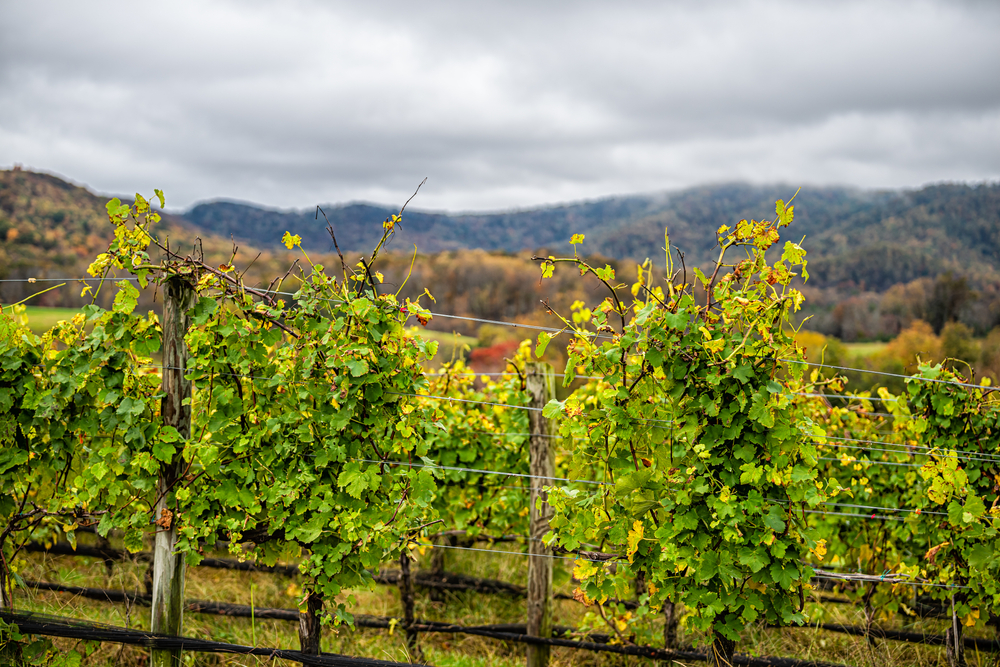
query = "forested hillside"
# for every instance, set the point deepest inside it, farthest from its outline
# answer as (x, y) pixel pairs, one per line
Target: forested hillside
(512, 231)
(878, 260)
(856, 239)
(53, 229)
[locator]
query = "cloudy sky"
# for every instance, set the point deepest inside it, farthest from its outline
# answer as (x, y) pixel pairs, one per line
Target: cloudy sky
(501, 105)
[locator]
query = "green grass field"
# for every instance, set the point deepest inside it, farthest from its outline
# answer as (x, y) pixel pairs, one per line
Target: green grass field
(41, 320)
(450, 345)
(865, 349)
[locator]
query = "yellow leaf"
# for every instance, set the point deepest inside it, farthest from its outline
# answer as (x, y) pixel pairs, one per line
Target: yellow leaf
(715, 345)
(291, 240)
(634, 536)
(584, 569)
(971, 618)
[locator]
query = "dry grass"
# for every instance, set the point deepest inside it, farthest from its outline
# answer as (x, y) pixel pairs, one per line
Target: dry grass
(444, 650)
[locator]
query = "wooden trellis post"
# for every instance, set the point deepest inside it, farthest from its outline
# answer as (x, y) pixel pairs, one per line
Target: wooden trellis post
(310, 627)
(541, 388)
(168, 566)
(406, 597)
(954, 646)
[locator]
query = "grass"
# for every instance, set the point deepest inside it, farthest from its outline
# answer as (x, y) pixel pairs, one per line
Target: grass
(444, 650)
(450, 345)
(41, 319)
(865, 349)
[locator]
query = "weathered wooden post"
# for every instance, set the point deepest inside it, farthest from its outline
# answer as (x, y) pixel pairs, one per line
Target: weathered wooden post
(954, 644)
(310, 624)
(406, 597)
(670, 618)
(541, 388)
(437, 567)
(168, 566)
(5, 602)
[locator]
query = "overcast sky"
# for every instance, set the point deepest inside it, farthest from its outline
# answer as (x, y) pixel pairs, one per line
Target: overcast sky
(501, 105)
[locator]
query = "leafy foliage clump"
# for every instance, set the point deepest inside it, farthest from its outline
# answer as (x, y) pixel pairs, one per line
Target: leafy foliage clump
(692, 435)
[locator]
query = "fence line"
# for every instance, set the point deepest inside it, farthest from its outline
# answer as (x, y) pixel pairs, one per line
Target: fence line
(31, 623)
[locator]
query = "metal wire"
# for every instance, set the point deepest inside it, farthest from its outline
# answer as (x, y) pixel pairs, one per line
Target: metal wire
(511, 553)
(987, 456)
(884, 509)
(900, 451)
(561, 331)
(467, 400)
(881, 463)
(895, 375)
(506, 373)
(861, 398)
(56, 280)
(863, 507)
(843, 577)
(485, 472)
(969, 455)
(905, 583)
(505, 405)
(877, 517)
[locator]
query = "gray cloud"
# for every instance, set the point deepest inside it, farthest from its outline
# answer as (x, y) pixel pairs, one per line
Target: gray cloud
(509, 104)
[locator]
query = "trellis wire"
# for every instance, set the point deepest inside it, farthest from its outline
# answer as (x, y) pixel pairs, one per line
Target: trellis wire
(483, 471)
(560, 331)
(505, 373)
(512, 553)
(864, 461)
(885, 509)
(973, 456)
(905, 583)
(986, 456)
(900, 451)
(895, 375)
(583, 481)
(876, 517)
(841, 577)
(928, 451)
(855, 396)
(56, 280)
(863, 507)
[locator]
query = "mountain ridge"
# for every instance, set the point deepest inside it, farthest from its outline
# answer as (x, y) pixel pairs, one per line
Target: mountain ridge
(838, 223)
(877, 258)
